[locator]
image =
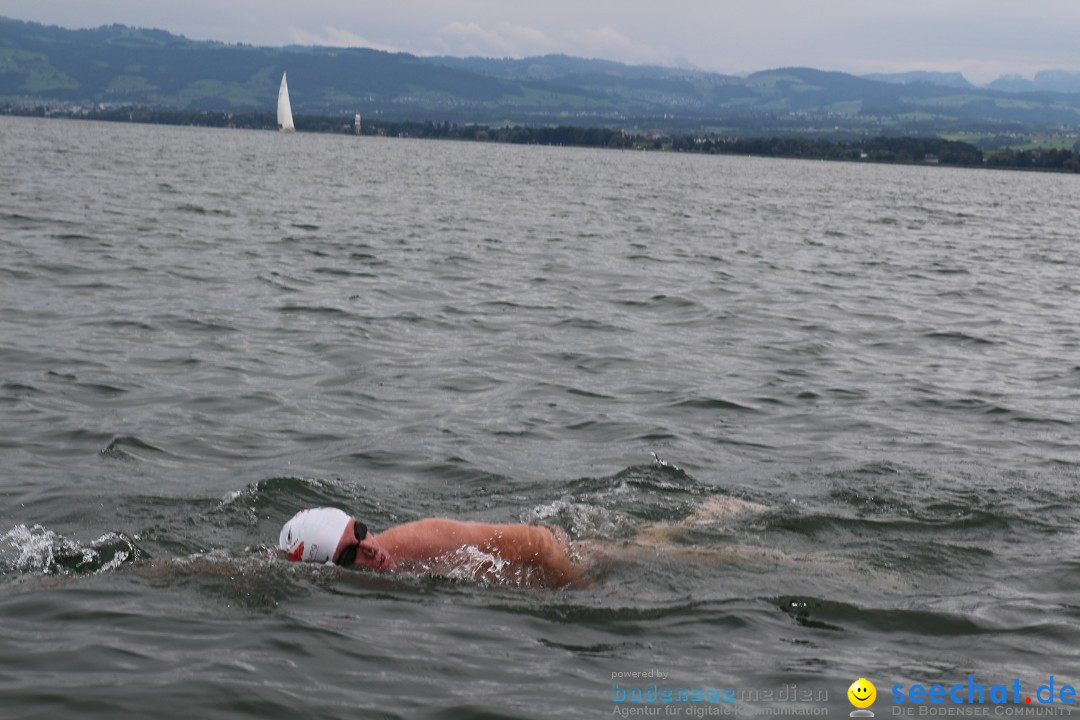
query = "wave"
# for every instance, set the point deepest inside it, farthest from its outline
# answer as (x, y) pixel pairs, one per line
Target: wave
(133, 449)
(961, 338)
(827, 614)
(877, 526)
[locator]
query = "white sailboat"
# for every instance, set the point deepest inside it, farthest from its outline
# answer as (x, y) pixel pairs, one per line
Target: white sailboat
(284, 108)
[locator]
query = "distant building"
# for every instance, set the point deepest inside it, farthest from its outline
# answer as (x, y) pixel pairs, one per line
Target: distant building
(356, 125)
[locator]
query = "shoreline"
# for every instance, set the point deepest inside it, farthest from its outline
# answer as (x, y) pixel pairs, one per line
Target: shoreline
(880, 149)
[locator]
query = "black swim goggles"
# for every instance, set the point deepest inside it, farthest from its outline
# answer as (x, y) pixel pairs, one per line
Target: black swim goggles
(347, 557)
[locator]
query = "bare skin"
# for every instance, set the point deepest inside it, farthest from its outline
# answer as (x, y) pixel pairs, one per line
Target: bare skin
(534, 555)
(517, 554)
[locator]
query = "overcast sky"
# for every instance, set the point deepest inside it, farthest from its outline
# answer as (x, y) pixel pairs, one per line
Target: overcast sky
(981, 38)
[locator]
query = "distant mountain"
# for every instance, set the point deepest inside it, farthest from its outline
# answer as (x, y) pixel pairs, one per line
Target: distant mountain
(1012, 84)
(552, 67)
(117, 65)
(951, 79)
(1060, 81)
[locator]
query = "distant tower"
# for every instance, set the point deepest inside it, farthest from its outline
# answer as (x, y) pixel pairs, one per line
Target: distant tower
(356, 125)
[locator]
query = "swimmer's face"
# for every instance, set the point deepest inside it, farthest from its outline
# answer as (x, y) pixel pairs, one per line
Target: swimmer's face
(359, 548)
(862, 693)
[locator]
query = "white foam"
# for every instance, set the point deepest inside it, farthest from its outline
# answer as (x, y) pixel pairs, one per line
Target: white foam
(581, 519)
(38, 549)
(470, 562)
(230, 498)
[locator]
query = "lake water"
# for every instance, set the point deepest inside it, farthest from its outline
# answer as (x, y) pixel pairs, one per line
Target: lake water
(202, 331)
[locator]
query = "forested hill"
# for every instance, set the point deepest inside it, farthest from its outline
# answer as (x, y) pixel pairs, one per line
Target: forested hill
(117, 65)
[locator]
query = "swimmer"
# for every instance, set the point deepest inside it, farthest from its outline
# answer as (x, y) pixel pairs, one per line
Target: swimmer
(517, 554)
(531, 555)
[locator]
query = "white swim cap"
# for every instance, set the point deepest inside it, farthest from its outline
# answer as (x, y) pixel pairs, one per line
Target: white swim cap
(313, 535)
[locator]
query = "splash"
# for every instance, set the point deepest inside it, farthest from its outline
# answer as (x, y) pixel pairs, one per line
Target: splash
(582, 519)
(657, 460)
(40, 550)
(471, 563)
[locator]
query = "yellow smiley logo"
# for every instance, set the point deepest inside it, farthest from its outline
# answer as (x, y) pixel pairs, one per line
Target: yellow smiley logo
(862, 693)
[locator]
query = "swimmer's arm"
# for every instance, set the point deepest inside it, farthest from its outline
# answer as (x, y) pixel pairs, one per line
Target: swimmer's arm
(558, 568)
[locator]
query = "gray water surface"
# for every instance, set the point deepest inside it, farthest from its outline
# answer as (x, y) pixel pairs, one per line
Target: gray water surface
(202, 331)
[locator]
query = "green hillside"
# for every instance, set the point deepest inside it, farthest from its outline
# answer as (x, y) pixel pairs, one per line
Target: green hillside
(117, 64)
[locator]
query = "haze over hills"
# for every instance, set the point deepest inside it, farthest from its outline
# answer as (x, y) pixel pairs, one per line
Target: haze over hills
(945, 79)
(1045, 81)
(119, 65)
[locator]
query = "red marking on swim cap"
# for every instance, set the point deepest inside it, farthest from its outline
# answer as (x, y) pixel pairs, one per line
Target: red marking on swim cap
(297, 555)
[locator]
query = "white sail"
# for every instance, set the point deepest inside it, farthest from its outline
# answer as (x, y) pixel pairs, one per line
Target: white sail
(284, 107)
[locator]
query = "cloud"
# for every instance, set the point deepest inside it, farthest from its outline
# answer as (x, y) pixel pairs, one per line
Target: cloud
(504, 40)
(337, 37)
(510, 40)
(610, 44)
